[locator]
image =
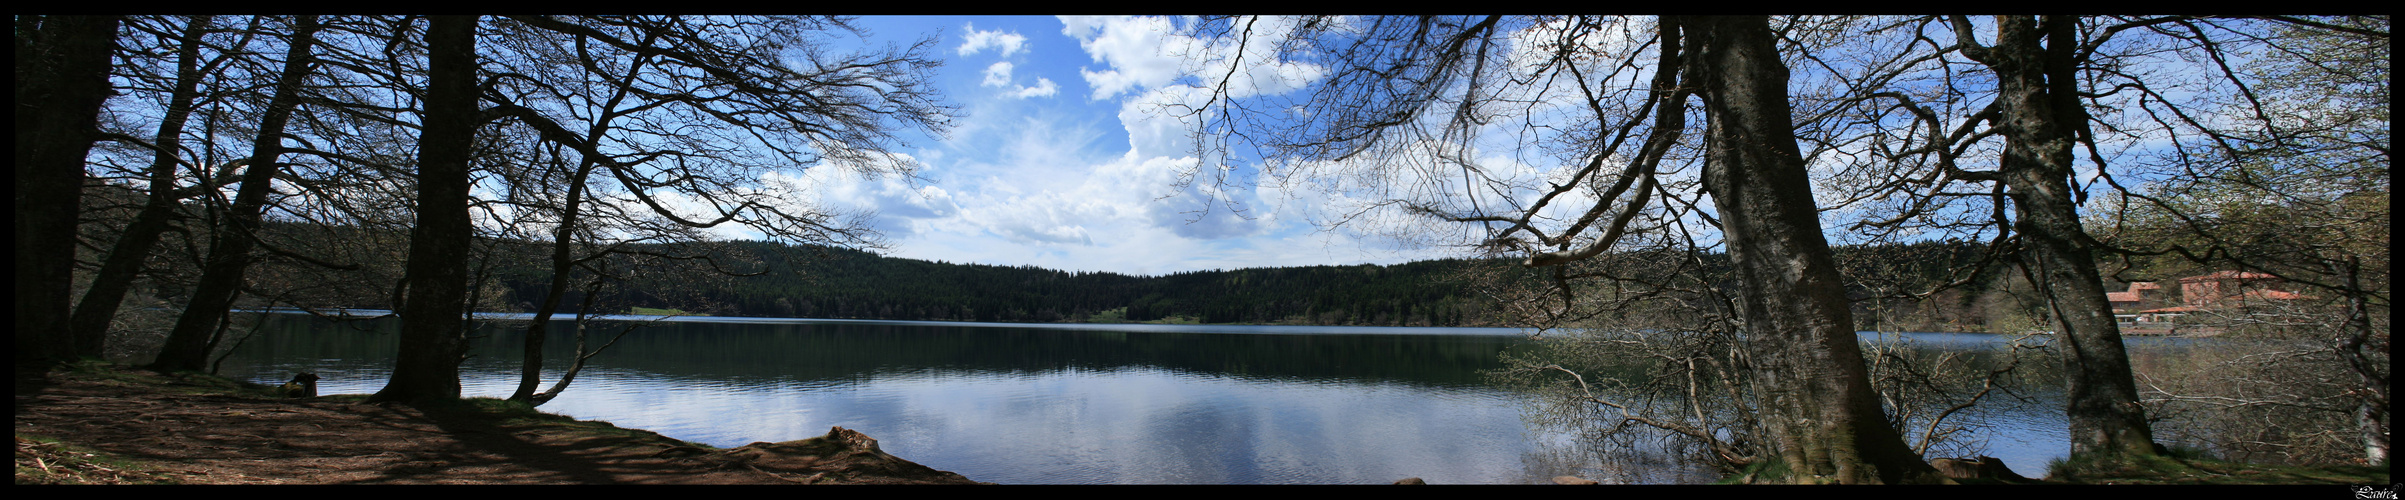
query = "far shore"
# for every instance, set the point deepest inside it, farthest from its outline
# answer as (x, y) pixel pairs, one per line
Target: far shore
(1166, 325)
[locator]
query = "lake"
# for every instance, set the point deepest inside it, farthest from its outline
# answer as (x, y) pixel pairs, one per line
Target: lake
(1073, 404)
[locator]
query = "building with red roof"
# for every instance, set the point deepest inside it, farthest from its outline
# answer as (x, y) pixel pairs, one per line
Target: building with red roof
(2144, 308)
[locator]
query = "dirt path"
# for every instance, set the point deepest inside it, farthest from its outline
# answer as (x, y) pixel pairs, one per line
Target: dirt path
(202, 430)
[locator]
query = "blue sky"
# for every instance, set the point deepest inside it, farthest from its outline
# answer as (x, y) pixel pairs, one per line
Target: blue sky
(1062, 159)
(1057, 161)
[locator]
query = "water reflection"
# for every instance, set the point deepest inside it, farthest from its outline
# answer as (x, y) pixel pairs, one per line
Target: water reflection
(1018, 404)
(1040, 405)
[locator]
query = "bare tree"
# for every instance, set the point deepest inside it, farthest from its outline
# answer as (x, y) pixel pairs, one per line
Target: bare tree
(433, 313)
(2042, 121)
(1992, 154)
(236, 236)
(1400, 116)
(701, 108)
(2290, 181)
(90, 321)
(694, 108)
(201, 91)
(62, 78)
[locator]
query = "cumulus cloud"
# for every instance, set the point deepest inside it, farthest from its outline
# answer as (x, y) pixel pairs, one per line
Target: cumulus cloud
(1151, 130)
(997, 75)
(896, 200)
(1043, 88)
(1148, 52)
(1199, 209)
(1036, 194)
(1045, 217)
(1003, 43)
(1140, 52)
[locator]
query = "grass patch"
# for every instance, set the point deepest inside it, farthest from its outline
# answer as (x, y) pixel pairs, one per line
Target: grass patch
(1771, 471)
(1175, 320)
(45, 460)
(197, 383)
(2179, 466)
(2192, 466)
(485, 411)
(651, 311)
(1116, 315)
(503, 413)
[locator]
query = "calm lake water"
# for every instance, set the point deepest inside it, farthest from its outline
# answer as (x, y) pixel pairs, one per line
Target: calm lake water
(1073, 404)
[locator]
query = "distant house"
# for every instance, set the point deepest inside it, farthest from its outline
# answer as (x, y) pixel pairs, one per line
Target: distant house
(2228, 289)
(2130, 307)
(2137, 296)
(2142, 306)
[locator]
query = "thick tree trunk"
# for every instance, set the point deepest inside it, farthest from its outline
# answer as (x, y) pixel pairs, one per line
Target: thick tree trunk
(2041, 117)
(1825, 418)
(433, 317)
(124, 262)
(187, 346)
(62, 79)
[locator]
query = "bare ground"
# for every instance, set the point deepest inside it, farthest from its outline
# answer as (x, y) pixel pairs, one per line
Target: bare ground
(204, 430)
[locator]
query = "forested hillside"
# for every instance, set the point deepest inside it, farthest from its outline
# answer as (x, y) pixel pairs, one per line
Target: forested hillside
(1891, 286)
(817, 282)
(836, 283)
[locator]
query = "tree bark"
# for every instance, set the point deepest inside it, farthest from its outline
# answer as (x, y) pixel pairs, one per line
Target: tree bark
(187, 346)
(124, 262)
(563, 266)
(2355, 342)
(563, 260)
(62, 79)
(433, 317)
(1824, 416)
(2041, 116)
(576, 361)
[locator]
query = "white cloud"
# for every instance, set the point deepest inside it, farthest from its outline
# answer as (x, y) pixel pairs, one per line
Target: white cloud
(898, 201)
(1032, 190)
(1043, 88)
(1082, 26)
(1003, 43)
(1142, 53)
(998, 75)
(1152, 128)
(1045, 217)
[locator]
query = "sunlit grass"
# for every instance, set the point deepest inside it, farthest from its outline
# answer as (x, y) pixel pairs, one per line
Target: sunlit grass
(649, 311)
(2192, 466)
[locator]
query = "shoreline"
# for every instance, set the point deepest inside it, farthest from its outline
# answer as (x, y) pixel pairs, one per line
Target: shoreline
(96, 423)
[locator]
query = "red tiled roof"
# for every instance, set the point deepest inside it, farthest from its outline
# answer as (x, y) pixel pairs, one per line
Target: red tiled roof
(2120, 296)
(2225, 275)
(2274, 295)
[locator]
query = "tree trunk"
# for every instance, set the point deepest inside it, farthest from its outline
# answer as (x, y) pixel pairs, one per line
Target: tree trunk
(563, 265)
(1823, 416)
(62, 79)
(2355, 343)
(90, 323)
(576, 363)
(563, 261)
(187, 346)
(433, 317)
(2040, 119)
